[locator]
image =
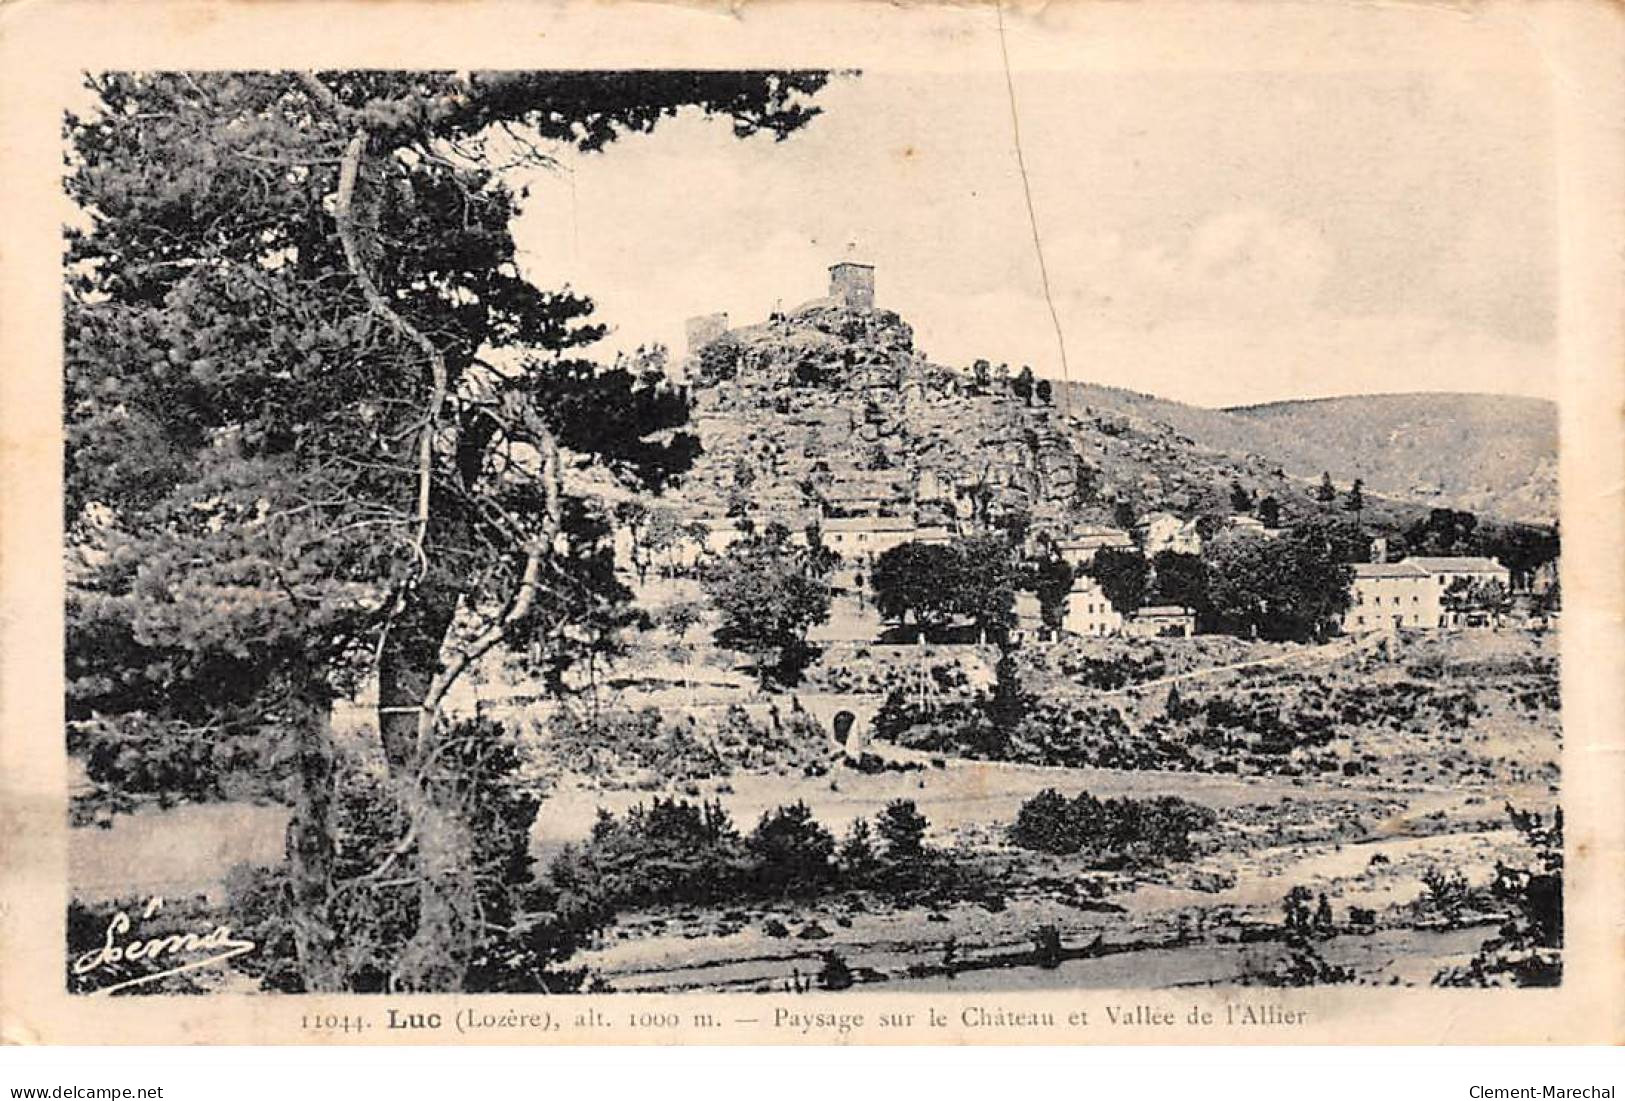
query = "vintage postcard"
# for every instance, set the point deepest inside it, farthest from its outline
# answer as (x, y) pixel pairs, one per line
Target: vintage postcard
(812, 523)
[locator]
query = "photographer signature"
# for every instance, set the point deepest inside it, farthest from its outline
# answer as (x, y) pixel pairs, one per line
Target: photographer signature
(217, 942)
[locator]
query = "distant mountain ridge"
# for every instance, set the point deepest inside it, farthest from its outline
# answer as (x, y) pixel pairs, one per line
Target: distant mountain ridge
(1487, 453)
(830, 410)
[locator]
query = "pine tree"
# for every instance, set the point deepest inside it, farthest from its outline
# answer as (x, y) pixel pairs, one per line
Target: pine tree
(316, 429)
(1355, 501)
(1269, 511)
(1326, 493)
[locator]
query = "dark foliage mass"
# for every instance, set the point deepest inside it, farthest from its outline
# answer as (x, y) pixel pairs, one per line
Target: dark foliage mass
(483, 786)
(675, 853)
(1111, 833)
(770, 592)
(1527, 948)
(934, 585)
(1294, 587)
(317, 428)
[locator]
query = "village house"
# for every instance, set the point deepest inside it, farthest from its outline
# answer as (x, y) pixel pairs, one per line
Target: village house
(1468, 569)
(1410, 592)
(1163, 531)
(1079, 549)
(1029, 616)
(1249, 525)
(1089, 612)
(854, 537)
(721, 532)
(1391, 594)
(1161, 621)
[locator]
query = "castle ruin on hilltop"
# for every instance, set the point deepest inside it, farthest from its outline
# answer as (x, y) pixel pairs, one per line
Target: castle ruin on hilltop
(841, 421)
(851, 286)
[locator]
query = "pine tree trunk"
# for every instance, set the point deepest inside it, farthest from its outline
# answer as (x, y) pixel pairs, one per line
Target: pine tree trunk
(310, 849)
(433, 959)
(406, 668)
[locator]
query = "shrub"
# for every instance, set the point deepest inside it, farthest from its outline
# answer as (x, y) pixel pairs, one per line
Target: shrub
(835, 974)
(1446, 893)
(1047, 947)
(791, 853)
(672, 851)
(857, 860)
(902, 827)
(1111, 833)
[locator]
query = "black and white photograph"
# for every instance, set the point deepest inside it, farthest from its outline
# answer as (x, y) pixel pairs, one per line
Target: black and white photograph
(817, 531)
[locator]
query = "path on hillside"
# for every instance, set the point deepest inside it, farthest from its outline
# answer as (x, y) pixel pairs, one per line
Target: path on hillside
(1326, 652)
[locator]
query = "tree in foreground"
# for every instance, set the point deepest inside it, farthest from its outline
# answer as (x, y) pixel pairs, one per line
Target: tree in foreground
(902, 828)
(909, 583)
(769, 592)
(1527, 949)
(1180, 578)
(936, 585)
(1052, 583)
(319, 436)
(984, 583)
(1122, 575)
(1291, 588)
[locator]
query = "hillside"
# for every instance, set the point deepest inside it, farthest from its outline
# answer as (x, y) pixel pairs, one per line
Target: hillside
(831, 411)
(1491, 454)
(1486, 453)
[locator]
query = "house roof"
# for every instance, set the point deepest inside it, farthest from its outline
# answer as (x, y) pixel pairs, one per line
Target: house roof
(868, 523)
(1091, 536)
(1163, 611)
(1388, 569)
(1461, 564)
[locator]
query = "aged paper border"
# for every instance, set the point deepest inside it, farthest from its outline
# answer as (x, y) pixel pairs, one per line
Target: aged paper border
(44, 45)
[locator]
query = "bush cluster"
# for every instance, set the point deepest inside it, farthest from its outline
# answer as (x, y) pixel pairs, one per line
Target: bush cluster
(1111, 833)
(673, 852)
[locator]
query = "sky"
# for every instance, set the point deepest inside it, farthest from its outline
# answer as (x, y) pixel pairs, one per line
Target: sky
(1382, 221)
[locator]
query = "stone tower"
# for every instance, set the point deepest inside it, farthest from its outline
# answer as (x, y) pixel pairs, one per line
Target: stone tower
(853, 284)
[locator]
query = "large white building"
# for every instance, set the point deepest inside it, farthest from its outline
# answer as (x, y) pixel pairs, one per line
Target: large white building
(854, 537)
(1410, 593)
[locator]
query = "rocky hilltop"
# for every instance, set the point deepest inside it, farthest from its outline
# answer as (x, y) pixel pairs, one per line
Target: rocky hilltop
(831, 411)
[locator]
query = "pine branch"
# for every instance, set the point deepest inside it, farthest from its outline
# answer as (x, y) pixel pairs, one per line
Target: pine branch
(344, 215)
(539, 547)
